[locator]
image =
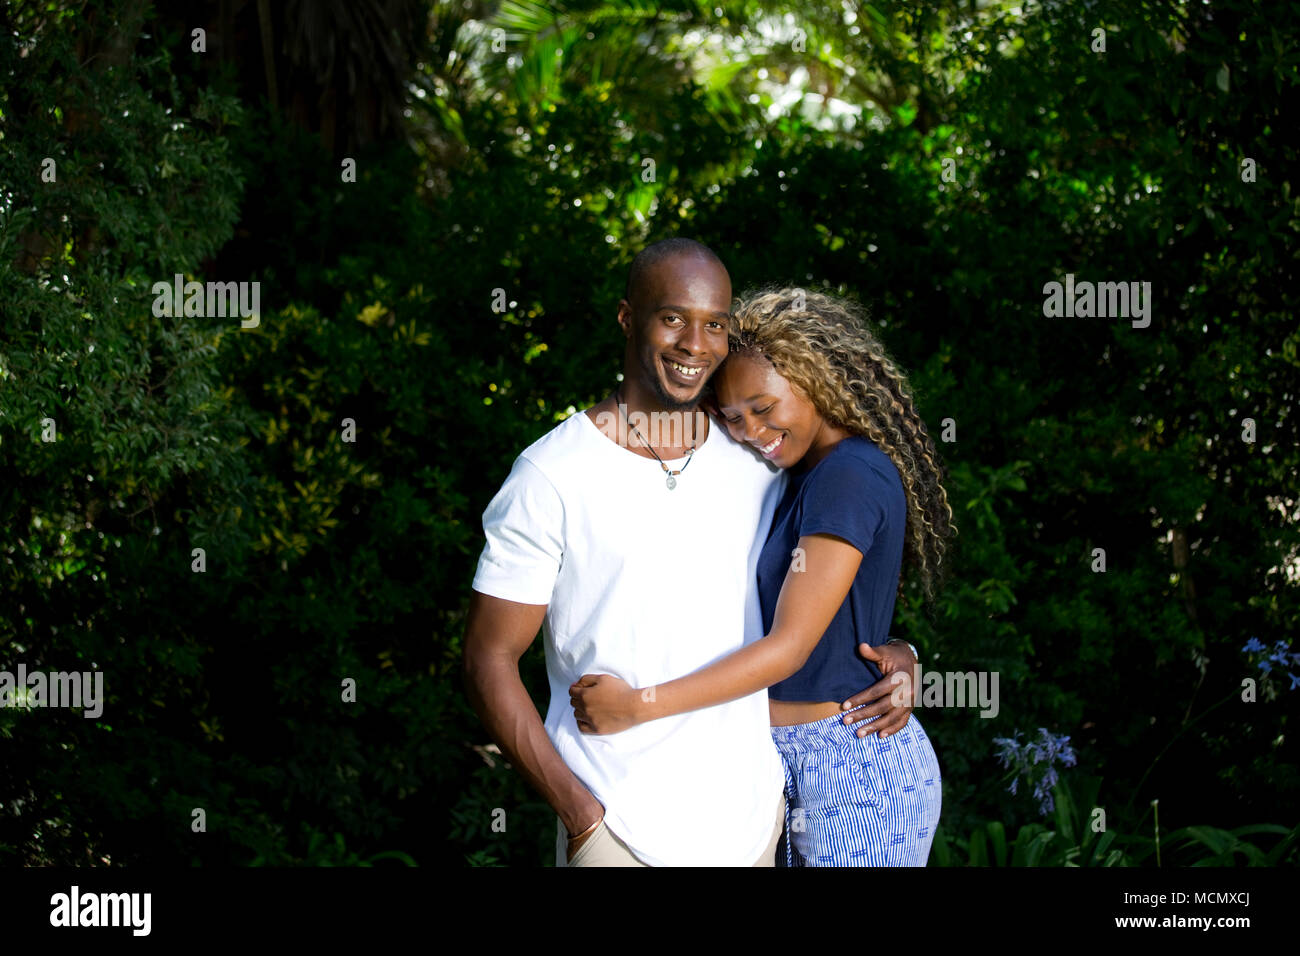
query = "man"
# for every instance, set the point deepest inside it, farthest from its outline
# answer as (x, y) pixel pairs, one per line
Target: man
(633, 549)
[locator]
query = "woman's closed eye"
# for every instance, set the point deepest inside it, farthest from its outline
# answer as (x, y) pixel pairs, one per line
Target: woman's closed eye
(735, 419)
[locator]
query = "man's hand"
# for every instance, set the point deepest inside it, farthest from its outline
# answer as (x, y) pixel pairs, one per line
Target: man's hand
(497, 633)
(575, 843)
(890, 698)
(604, 704)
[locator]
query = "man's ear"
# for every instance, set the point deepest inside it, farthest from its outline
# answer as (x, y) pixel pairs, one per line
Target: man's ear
(625, 316)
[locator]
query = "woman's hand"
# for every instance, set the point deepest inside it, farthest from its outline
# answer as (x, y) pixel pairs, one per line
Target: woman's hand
(605, 704)
(890, 698)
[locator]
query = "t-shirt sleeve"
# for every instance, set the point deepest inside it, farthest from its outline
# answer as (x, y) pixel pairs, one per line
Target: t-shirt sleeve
(525, 545)
(847, 498)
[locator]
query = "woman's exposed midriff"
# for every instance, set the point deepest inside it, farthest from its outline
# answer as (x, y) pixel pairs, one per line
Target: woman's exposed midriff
(787, 713)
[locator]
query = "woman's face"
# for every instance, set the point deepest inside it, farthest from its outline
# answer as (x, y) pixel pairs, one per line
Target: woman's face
(765, 411)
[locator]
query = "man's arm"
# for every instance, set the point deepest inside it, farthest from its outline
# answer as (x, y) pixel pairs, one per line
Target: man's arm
(496, 636)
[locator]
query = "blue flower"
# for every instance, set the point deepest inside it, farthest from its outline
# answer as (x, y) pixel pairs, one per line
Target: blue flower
(1295, 681)
(1008, 749)
(1282, 658)
(1045, 802)
(1044, 749)
(1036, 761)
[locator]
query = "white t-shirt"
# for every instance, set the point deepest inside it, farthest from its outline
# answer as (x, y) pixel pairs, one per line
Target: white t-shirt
(647, 584)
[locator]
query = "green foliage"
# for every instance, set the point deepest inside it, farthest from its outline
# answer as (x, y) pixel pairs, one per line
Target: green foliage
(141, 187)
(330, 559)
(1080, 836)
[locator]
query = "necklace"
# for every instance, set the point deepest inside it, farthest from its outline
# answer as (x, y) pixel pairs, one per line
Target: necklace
(671, 480)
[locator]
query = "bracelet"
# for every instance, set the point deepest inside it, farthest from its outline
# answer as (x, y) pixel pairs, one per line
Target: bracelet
(586, 831)
(910, 646)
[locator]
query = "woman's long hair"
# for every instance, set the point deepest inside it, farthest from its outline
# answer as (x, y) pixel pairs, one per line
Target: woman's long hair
(820, 345)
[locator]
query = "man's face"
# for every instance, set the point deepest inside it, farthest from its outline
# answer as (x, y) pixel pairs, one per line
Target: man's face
(677, 328)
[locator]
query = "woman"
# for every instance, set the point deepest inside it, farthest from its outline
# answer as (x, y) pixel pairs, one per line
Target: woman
(810, 389)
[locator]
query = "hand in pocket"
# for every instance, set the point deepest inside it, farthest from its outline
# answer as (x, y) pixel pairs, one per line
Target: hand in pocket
(577, 843)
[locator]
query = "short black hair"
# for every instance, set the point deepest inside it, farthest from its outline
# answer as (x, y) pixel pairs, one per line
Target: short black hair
(657, 252)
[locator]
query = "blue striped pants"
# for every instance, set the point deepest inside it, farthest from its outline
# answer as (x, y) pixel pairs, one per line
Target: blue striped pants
(857, 801)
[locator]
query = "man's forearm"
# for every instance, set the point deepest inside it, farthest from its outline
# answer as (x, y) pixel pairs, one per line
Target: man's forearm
(502, 703)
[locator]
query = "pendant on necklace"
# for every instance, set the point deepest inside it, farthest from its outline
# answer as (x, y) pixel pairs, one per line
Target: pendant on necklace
(671, 482)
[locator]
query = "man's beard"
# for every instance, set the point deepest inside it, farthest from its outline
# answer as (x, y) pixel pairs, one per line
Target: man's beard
(661, 396)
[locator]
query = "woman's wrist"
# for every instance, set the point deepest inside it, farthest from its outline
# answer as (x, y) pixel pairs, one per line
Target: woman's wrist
(647, 706)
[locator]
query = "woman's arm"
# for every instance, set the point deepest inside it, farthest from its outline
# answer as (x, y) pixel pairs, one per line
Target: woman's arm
(812, 593)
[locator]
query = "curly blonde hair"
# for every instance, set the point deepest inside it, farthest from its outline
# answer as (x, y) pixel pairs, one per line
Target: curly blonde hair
(820, 345)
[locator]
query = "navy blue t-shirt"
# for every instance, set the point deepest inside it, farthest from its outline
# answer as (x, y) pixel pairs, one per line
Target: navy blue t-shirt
(853, 493)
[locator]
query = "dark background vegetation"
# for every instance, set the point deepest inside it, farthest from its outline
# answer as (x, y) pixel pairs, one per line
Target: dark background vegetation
(813, 157)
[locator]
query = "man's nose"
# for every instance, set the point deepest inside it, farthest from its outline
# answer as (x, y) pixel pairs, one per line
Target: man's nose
(692, 338)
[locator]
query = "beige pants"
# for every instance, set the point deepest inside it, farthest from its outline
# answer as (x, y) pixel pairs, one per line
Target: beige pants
(603, 848)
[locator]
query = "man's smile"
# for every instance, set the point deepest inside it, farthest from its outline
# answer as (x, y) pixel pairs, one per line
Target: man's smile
(684, 373)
